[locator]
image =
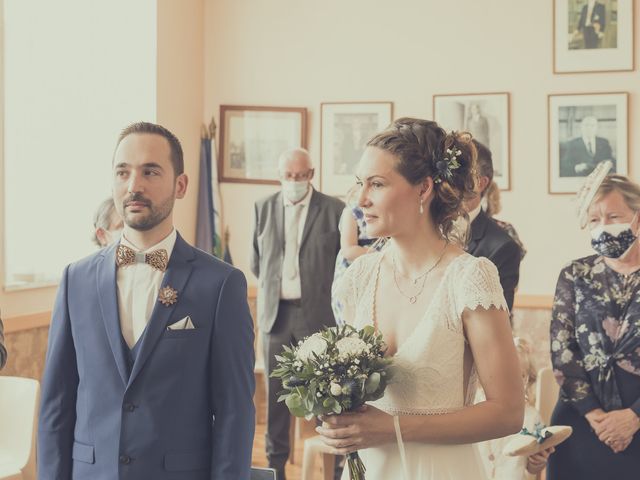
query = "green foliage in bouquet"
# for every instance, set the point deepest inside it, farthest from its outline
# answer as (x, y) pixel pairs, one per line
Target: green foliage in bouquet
(335, 370)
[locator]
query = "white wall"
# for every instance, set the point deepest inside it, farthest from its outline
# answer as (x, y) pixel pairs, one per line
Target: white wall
(179, 107)
(302, 53)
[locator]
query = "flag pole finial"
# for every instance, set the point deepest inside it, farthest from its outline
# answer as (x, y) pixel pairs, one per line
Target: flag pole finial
(212, 128)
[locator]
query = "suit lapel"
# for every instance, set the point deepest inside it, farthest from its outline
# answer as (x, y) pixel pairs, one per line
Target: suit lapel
(176, 277)
(314, 209)
(108, 300)
(278, 216)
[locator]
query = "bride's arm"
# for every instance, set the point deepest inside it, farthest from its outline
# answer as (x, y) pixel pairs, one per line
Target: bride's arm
(498, 366)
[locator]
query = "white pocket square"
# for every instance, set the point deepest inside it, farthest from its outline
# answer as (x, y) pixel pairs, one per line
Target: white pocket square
(183, 324)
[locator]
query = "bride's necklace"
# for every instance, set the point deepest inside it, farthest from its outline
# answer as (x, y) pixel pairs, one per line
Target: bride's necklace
(413, 298)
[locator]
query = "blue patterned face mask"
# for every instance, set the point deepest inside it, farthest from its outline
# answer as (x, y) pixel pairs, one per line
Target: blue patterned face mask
(613, 240)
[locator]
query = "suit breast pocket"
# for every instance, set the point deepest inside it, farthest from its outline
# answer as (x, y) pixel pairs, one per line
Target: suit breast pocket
(185, 333)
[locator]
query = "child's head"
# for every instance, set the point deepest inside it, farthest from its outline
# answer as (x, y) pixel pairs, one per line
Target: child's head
(526, 367)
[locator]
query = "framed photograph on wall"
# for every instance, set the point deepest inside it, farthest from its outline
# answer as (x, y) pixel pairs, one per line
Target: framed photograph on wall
(593, 36)
(486, 117)
(584, 130)
(252, 139)
(345, 128)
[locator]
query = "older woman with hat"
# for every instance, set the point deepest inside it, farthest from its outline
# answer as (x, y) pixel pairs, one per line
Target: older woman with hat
(595, 338)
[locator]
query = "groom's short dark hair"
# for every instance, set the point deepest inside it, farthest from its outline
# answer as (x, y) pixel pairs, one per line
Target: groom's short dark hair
(177, 157)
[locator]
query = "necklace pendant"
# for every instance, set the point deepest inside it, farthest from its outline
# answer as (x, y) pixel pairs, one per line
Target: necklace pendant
(413, 299)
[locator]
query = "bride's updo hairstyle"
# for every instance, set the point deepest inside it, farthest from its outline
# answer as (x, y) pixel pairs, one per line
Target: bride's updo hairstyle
(423, 149)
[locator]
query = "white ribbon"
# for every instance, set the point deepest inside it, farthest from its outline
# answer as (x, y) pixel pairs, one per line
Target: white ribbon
(403, 454)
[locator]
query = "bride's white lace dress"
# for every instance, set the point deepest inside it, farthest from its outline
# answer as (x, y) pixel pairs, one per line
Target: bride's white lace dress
(430, 376)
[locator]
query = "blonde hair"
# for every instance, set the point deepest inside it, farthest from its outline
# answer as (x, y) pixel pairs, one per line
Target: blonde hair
(629, 190)
(523, 347)
(492, 197)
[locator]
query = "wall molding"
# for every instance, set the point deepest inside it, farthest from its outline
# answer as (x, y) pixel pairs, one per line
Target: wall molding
(26, 322)
(42, 319)
(533, 302)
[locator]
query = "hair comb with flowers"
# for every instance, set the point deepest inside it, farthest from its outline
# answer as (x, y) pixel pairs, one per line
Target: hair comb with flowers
(447, 164)
(587, 192)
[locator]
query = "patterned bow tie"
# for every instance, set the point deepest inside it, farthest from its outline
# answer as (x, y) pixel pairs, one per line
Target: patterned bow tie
(157, 259)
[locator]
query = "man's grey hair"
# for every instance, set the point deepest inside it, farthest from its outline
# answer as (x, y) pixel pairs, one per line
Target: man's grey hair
(102, 217)
(289, 154)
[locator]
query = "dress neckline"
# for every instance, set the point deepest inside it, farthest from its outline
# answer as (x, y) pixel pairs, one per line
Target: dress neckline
(376, 281)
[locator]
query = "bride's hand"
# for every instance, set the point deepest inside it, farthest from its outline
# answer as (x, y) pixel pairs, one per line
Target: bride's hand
(364, 428)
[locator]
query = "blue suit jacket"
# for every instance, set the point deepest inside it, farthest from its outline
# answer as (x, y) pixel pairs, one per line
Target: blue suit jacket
(184, 408)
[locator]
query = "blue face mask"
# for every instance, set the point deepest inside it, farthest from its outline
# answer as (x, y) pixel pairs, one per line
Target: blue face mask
(613, 240)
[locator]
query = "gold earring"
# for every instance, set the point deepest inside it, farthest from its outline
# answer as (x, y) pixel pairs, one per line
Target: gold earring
(421, 208)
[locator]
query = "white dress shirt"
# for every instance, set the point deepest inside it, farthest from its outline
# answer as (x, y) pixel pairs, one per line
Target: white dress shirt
(138, 288)
(473, 214)
(290, 289)
(590, 144)
(590, 5)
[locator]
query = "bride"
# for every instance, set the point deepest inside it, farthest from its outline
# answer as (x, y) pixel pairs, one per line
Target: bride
(441, 311)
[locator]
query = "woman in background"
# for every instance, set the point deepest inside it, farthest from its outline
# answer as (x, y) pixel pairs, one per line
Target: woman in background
(595, 342)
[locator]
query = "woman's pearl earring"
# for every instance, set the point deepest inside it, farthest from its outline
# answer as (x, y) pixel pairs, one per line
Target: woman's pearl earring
(421, 208)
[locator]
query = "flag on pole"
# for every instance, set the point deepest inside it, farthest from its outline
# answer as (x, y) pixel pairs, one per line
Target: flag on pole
(209, 232)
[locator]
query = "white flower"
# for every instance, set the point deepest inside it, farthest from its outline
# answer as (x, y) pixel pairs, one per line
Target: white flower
(335, 389)
(555, 346)
(598, 268)
(563, 335)
(566, 356)
(314, 344)
(350, 346)
(594, 338)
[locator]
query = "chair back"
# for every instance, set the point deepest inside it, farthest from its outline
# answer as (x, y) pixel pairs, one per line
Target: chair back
(258, 473)
(19, 399)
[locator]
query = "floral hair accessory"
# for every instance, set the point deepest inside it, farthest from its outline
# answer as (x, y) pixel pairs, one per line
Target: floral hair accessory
(446, 165)
(588, 191)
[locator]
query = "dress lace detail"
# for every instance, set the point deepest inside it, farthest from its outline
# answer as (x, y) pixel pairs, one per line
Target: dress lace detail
(429, 366)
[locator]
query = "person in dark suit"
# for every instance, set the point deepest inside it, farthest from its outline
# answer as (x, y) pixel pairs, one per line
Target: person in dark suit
(582, 154)
(295, 243)
(149, 368)
(592, 23)
(486, 237)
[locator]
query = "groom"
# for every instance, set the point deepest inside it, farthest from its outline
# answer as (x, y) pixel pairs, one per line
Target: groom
(149, 369)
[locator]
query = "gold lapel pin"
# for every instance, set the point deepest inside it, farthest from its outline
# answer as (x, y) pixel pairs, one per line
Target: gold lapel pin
(168, 296)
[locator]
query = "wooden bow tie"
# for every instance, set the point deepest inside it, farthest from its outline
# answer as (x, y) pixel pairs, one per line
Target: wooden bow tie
(157, 259)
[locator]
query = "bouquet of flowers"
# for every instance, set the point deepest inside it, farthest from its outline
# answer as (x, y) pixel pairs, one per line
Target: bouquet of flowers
(335, 370)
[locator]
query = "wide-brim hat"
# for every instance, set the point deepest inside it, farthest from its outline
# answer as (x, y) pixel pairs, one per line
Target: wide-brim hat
(587, 192)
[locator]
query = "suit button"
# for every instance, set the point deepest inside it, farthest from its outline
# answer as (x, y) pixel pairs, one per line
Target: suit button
(129, 407)
(125, 459)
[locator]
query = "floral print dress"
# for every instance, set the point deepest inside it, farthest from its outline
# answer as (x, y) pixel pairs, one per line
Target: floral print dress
(595, 351)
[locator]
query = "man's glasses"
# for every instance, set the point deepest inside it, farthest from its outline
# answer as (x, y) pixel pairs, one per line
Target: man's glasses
(296, 177)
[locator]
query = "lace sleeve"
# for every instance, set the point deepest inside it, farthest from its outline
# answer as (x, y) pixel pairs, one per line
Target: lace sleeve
(480, 287)
(350, 286)
(345, 293)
